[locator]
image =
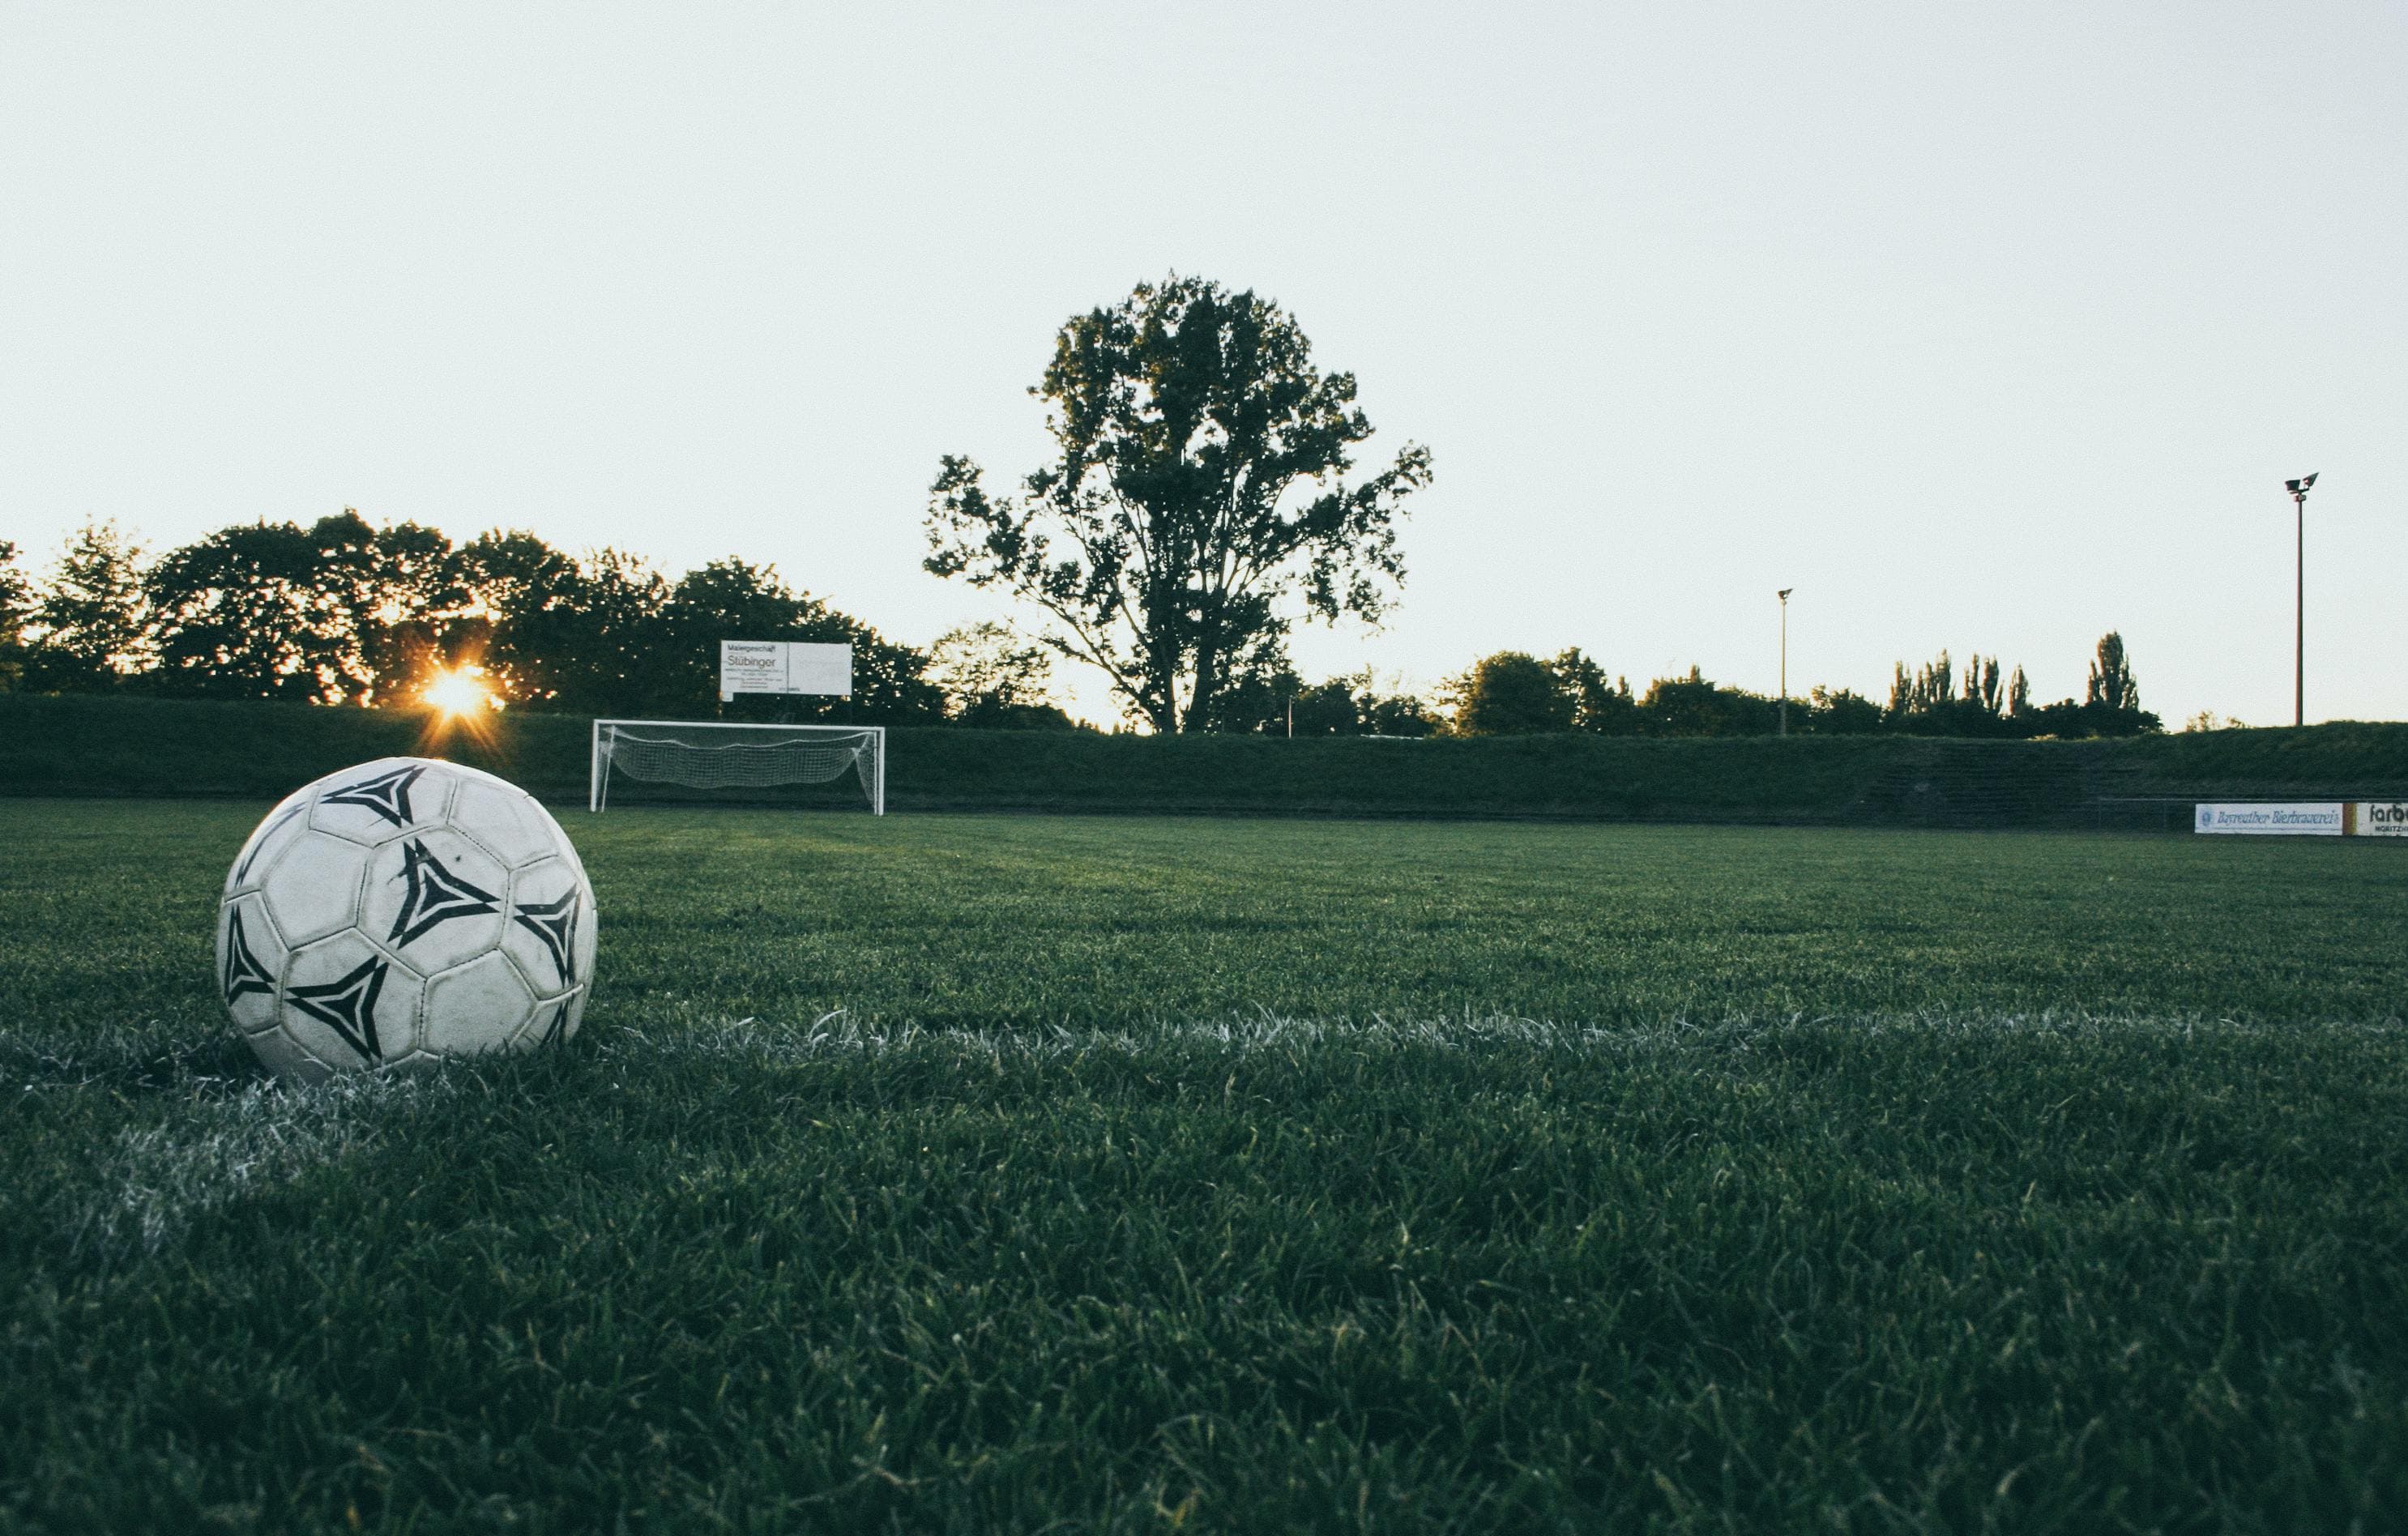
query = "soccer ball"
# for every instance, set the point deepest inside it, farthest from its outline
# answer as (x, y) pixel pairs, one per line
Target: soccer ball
(402, 913)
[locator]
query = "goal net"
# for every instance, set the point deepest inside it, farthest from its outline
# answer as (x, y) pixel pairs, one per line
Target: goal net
(715, 756)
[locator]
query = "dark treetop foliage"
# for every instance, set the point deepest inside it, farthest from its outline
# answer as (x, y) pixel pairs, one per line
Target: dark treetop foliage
(994, 677)
(1277, 702)
(345, 613)
(16, 607)
(2112, 683)
(274, 611)
(1512, 693)
(91, 617)
(1199, 493)
(342, 611)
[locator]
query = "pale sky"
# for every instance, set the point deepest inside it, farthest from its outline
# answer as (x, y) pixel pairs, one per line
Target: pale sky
(1984, 326)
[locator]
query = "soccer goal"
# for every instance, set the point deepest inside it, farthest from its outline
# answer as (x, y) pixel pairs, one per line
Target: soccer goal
(713, 754)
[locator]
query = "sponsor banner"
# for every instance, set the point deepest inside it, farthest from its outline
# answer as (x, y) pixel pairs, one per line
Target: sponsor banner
(752, 666)
(813, 668)
(784, 666)
(2380, 818)
(2280, 819)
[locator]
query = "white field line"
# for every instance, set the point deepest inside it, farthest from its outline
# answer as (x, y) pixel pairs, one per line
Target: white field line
(837, 1034)
(156, 1179)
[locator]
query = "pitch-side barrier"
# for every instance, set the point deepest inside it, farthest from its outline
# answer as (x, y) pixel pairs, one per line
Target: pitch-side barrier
(2303, 818)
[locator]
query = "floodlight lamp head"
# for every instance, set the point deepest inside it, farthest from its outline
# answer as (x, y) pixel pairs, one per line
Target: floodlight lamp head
(1785, 592)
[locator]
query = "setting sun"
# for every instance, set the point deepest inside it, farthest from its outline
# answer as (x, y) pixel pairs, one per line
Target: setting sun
(457, 691)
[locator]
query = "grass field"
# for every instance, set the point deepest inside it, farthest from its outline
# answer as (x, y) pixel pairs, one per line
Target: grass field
(998, 1173)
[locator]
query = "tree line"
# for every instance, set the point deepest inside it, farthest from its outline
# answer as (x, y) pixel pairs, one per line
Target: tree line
(1198, 506)
(1514, 693)
(345, 613)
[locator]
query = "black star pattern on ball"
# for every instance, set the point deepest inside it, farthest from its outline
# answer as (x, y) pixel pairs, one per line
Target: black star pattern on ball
(347, 1004)
(554, 923)
(243, 972)
(387, 794)
(435, 894)
(559, 1020)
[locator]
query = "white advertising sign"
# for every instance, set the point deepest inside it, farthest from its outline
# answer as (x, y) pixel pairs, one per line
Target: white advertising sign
(784, 666)
(752, 666)
(818, 668)
(2381, 819)
(2280, 819)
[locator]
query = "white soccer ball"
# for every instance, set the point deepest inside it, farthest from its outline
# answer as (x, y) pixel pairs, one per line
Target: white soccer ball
(402, 913)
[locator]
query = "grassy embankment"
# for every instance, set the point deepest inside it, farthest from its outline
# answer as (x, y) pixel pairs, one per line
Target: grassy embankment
(1240, 1175)
(149, 747)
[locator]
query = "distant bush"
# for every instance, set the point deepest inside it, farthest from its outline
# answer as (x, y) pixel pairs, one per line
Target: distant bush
(114, 745)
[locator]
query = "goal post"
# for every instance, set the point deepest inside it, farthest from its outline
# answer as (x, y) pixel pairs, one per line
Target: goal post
(723, 755)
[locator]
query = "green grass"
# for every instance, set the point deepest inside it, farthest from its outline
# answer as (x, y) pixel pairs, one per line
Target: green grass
(983, 1173)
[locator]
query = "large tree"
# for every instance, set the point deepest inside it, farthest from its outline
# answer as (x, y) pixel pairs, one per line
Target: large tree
(16, 607)
(994, 677)
(1512, 693)
(246, 613)
(338, 612)
(1200, 498)
(1600, 704)
(2112, 685)
(91, 624)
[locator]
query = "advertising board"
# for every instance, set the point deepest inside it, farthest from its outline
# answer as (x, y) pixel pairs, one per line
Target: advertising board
(2380, 819)
(784, 666)
(2273, 818)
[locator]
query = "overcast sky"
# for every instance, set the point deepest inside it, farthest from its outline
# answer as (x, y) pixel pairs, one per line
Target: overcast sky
(1990, 327)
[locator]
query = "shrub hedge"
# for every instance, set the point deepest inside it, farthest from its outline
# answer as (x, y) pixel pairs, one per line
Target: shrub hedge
(138, 746)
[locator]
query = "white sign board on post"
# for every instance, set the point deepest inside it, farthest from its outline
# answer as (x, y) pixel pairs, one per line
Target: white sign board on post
(784, 666)
(818, 668)
(752, 666)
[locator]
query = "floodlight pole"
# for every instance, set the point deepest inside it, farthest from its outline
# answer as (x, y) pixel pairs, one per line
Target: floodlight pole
(1784, 596)
(2299, 489)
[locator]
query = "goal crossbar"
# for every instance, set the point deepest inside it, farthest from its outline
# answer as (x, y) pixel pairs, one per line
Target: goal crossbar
(720, 754)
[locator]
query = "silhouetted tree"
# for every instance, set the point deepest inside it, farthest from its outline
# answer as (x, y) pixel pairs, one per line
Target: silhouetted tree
(1255, 690)
(1840, 711)
(1984, 689)
(1693, 705)
(1329, 708)
(1599, 704)
(90, 620)
(241, 615)
(600, 643)
(411, 608)
(1200, 499)
(338, 612)
(2111, 703)
(2111, 683)
(16, 607)
(1512, 693)
(993, 677)
(1929, 702)
(1398, 714)
(522, 593)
